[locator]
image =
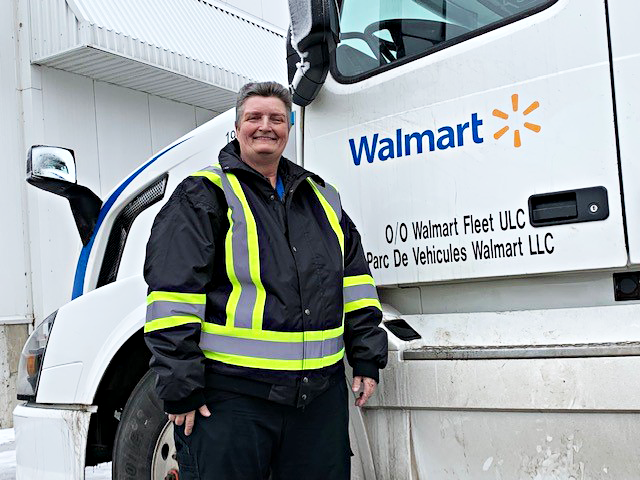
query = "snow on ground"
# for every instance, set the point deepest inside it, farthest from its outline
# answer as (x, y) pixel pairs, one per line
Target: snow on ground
(7, 454)
(99, 472)
(8, 460)
(6, 435)
(8, 465)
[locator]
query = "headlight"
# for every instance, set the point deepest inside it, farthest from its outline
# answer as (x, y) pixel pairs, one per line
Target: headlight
(32, 358)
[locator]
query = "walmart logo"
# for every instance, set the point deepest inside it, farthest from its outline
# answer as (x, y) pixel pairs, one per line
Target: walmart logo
(368, 149)
(517, 141)
(405, 144)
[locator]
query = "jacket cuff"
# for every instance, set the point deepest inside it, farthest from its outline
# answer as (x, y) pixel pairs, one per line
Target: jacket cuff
(365, 368)
(185, 405)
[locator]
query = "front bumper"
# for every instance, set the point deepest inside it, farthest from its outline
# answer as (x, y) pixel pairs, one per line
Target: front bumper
(51, 441)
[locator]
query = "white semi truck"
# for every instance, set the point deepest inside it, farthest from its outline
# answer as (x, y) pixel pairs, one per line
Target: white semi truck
(485, 149)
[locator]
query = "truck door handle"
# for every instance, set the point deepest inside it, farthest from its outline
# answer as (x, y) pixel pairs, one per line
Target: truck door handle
(555, 209)
(570, 206)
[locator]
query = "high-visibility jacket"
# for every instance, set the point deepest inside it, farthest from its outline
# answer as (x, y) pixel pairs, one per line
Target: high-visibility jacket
(245, 287)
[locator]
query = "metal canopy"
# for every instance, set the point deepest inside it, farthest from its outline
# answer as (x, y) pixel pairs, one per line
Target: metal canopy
(193, 51)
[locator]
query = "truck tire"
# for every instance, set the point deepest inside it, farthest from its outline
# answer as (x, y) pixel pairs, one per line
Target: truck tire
(143, 447)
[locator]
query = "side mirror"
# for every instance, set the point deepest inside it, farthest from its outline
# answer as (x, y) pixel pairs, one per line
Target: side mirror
(312, 38)
(51, 163)
(54, 169)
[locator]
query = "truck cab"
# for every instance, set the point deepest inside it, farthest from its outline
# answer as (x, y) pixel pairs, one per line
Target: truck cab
(485, 151)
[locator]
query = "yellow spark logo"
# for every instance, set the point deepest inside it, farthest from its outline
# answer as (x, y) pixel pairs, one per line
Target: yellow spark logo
(516, 133)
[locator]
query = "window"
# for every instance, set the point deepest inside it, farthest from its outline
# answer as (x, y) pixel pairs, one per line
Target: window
(377, 33)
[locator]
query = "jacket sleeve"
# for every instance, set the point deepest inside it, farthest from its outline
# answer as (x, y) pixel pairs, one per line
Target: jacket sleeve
(365, 341)
(178, 267)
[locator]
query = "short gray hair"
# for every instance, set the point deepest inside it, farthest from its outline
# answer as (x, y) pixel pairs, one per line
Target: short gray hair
(262, 89)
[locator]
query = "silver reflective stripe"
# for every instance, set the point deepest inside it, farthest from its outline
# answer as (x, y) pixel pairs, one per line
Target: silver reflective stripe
(162, 309)
(271, 350)
(248, 293)
(332, 197)
(358, 292)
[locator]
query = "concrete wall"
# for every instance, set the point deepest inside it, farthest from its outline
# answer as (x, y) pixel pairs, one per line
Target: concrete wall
(12, 337)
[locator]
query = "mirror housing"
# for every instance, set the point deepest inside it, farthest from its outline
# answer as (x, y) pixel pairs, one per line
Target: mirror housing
(53, 169)
(312, 38)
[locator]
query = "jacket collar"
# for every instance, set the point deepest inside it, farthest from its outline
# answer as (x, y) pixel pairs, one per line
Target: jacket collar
(230, 160)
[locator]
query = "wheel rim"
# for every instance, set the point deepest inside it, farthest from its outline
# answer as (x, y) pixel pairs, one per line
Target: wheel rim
(164, 455)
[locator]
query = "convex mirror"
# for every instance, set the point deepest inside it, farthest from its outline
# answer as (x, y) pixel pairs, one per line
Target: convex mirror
(54, 163)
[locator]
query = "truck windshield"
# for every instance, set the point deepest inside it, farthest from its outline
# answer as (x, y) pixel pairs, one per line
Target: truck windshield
(375, 33)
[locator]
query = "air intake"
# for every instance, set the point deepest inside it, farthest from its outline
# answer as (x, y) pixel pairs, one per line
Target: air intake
(122, 226)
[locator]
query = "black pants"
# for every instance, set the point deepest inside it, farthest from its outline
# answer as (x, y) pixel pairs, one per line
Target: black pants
(249, 438)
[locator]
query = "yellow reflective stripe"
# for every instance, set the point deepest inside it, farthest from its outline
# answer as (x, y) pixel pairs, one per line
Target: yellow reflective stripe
(236, 288)
(271, 364)
(214, 177)
(365, 302)
(235, 292)
(195, 298)
(331, 215)
(272, 336)
(316, 335)
(358, 280)
(168, 322)
(254, 253)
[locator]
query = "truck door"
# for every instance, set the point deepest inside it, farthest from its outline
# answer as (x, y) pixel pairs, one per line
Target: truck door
(473, 138)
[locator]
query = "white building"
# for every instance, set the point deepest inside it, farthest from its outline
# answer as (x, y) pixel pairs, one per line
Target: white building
(115, 81)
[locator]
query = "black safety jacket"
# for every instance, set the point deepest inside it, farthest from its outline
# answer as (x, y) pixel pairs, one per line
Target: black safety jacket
(214, 325)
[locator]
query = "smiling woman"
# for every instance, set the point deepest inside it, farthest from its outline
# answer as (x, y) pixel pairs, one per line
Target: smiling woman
(263, 130)
(262, 127)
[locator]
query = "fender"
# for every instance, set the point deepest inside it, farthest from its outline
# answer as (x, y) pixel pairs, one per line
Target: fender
(86, 336)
